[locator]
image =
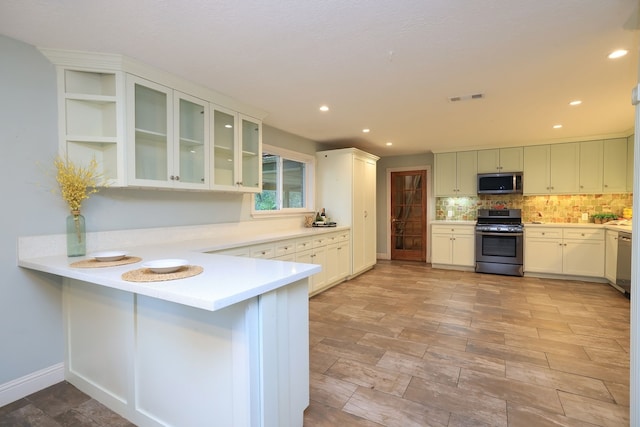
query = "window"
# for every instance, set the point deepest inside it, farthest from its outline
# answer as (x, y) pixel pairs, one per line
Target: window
(286, 182)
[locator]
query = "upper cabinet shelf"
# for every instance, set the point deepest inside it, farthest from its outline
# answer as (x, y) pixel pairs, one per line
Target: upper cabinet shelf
(149, 128)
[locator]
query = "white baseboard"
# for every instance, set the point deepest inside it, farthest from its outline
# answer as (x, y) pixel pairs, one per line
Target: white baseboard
(35, 381)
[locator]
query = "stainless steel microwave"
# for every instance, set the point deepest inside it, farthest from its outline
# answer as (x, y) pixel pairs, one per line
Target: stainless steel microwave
(500, 183)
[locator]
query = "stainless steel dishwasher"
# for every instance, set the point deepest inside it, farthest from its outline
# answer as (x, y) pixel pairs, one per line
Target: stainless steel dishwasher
(623, 273)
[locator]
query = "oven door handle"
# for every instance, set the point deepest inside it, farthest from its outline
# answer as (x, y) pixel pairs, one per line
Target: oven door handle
(486, 233)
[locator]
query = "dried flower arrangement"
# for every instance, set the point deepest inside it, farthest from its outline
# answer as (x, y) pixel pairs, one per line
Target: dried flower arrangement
(76, 182)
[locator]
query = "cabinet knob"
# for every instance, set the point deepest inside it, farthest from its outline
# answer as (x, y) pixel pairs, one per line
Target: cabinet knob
(605, 186)
(174, 178)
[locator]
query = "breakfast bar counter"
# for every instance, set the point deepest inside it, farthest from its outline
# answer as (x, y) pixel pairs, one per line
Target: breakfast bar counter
(228, 346)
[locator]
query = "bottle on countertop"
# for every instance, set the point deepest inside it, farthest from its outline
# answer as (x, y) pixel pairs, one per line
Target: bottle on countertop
(323, 216)
(318, 217)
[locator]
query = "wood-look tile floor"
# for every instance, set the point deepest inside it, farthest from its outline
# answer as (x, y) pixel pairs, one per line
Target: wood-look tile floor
(407, 345)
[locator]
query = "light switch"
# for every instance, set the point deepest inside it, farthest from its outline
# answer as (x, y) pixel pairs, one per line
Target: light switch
(585, 216)
(449, 214)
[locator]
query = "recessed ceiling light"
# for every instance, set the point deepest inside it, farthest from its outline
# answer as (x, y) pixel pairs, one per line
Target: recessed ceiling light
(324, 108)
(618, 53)
(228, 126)
(576, 102)
(366, 130)
(389, 144)
(557, 126)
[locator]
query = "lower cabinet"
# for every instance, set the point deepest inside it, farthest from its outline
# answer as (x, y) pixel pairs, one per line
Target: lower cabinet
(329, 250)
(453, 245)
(611, 256)
(571, 251)
(338, 259)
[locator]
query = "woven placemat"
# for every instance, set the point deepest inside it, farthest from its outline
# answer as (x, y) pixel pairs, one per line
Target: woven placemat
(146, 275)
(94, 263)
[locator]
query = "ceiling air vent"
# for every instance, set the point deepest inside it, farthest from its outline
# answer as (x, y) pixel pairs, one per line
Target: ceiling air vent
(466, 97)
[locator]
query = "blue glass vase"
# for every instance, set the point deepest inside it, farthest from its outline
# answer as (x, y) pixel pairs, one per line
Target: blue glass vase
(76, 235)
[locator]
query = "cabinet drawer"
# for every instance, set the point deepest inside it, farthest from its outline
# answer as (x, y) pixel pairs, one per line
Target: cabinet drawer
(453, 229)
(584, 233)
(332, 238)
(343, 237)
(547, 233)
(285, 248)
(320, 241)
(304, 244)
(262, 251)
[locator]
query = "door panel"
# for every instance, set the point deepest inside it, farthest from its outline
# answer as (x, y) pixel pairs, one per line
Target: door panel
(408, 215)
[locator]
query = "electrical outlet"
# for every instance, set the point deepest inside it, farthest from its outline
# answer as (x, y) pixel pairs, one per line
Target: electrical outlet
(585, 216)
(449, 214)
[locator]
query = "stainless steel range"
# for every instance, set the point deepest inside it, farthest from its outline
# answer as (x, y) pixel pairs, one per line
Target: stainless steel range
(499, 242)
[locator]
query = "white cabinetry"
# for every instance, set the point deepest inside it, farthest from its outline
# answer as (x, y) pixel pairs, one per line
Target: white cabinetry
(630, 168)
(148, 128)
(329, 250)
(453, 245)
(552, 169)
(615, 165)
(346, 187)
(591, 166)
(91, 123)
(456, 174)
(168, 137)
(571, 251)
(338, 257)
(611, 256)
(501, 160)
(313, 250)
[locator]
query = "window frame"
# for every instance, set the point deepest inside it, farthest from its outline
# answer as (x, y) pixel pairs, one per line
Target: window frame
(309, 187)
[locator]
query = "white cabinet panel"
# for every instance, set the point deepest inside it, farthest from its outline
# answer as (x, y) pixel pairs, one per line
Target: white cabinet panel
(591, 164)
(346, 186)
(456, 173)
(615, 165)
(453, 245)
(611, 255)
(500, 160)
(571, 251)
(552, 169)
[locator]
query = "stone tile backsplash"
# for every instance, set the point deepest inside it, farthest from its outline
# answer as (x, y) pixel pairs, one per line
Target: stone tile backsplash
(552, 208)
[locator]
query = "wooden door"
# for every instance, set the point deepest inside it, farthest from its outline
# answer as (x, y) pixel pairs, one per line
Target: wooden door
(409, 215)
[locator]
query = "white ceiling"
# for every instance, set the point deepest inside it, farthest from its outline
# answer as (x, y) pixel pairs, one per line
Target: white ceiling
(387, 65)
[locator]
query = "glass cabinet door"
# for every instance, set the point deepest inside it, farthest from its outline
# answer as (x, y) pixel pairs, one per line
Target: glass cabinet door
(152, 127)
(224, 148)
(191, 149)
(250, 137)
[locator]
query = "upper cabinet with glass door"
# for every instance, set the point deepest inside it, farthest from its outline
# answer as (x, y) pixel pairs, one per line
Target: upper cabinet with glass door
(168, 137)
(237, 151)
(251, 163)
(90, 121)
(225, 136)
(148, 128)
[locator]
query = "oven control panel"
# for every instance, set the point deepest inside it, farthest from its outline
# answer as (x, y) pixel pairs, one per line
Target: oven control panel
(499, 228)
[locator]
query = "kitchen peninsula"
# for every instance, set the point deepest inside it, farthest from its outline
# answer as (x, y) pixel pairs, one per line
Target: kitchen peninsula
(228, 346)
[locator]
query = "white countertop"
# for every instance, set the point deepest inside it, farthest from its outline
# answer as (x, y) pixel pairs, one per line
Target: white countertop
(225, 280)
(626, 227)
